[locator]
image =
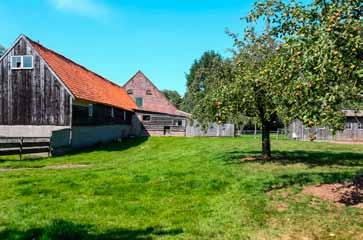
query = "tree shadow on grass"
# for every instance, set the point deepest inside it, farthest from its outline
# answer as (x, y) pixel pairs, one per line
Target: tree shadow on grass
(310, 158)
(307, 178)
(111, 147)
(66, 230)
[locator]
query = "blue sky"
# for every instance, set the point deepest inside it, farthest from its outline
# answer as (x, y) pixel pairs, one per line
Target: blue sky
(116, 38)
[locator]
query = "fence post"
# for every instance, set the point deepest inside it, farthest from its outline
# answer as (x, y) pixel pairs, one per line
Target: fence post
(21, 148)
(50, 147)
(303, 133)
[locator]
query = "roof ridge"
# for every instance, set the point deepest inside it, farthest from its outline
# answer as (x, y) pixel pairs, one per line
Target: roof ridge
(133, 76)
(83, 83)
(75, 63)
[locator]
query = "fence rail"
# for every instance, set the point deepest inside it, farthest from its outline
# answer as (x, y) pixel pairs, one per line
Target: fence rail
(278, 134)
(24, 145)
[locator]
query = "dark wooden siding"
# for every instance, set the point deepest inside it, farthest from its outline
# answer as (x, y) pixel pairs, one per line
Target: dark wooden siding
(354, 133)
(101, 115)
(32, 97)
(158, 122)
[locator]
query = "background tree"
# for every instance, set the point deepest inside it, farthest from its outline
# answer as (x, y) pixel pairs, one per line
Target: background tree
(174, 97)
(2, 50)
(213, 73)
(203, 74)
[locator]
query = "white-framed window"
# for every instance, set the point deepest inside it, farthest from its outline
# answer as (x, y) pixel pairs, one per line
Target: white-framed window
(348, 126)
(360, 126)
(112, 112)
(90, 110)
(22, 62)
(16, 62)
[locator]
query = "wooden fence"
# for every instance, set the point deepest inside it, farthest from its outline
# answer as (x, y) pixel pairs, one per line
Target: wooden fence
(214, 130)
(280, 133)
(23, 145)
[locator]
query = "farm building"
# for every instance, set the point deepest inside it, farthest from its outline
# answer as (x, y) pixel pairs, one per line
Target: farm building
(353, 129)
(43, 94)
(155, 115)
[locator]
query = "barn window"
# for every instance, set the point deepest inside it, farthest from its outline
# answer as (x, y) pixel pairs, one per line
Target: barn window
(129, 91)
(146, 118)
(348, 125)
(27, 61)
(112, 112)
(139, 101)
(148, 92)
(125, 115)
(90, 110)
(178, 123)
(22, 62)
(16, 62)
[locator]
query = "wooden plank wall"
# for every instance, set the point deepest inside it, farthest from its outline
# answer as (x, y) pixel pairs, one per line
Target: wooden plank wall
(32, 97)
(353, 134)
(324, 133)
(159, 121)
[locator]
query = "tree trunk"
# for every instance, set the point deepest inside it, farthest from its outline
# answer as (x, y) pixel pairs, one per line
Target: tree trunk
(266, 144)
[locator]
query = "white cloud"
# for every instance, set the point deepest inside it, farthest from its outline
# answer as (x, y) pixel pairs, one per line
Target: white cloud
(87, 8)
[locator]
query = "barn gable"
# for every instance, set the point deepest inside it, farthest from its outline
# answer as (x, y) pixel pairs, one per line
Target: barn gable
(140, 87)
(33, 96)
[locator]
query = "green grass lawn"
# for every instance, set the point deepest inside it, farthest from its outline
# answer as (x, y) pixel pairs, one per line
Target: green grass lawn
(180, 188)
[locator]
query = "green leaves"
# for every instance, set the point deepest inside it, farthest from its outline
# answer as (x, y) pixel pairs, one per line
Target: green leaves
(317, 70)
(174, 97)
(206, 75)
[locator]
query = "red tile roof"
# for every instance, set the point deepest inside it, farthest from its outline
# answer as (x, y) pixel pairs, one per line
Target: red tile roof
(83, 83)
(153, 102)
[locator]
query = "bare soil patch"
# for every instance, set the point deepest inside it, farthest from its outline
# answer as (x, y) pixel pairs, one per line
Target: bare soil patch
(66, 166)
(246, 159)
(53, 167)
(348, 142)
(348, 194)
(275, 157)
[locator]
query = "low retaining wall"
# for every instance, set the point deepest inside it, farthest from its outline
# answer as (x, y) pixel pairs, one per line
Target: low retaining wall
(86, 136)
(29, 130)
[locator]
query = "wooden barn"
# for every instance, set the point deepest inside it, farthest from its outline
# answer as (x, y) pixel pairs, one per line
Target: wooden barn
(43, 93)
(352, 132)
(155, 115)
